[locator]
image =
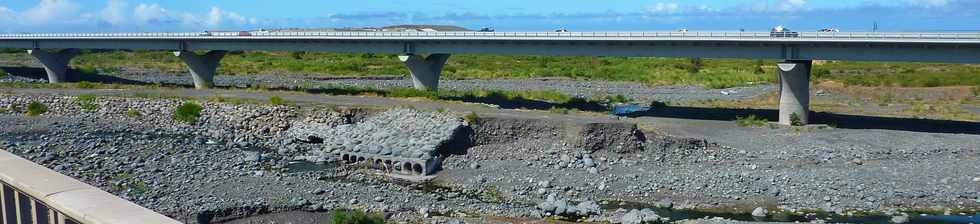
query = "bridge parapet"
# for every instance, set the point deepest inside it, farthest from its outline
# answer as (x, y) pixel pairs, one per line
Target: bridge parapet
(34, 194)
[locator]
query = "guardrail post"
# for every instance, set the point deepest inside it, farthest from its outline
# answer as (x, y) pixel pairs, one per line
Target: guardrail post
(202, 67)
(425, 71)
(55, 63)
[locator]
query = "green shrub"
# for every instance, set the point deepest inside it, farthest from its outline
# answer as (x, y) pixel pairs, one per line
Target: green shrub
(750, 121)
(188, 112)
(794, 119)
(35, 108)
(87, 102)
(975, 90)
(356, 217)
(276, 100)
(3, 73)
(133, 113)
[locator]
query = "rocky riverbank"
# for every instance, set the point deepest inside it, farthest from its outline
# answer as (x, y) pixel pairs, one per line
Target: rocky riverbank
(240, 160)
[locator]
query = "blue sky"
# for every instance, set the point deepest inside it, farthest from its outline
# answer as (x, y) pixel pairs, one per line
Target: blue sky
(505, 15)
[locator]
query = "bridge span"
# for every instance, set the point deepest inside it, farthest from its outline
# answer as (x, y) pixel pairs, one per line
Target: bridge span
(425, 53)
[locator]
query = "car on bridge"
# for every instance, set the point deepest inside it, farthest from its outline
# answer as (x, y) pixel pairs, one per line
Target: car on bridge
(562, 30)
(780, 31)
(828, 30)
(486, 29)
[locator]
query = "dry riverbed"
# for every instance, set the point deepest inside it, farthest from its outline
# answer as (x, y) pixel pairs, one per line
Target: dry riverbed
(238, 161)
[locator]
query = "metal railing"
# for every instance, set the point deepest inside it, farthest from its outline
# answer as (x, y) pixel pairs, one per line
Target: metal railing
(18, 207)
(506, 35)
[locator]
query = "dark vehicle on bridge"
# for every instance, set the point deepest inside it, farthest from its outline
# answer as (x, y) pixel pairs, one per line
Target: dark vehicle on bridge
(780, 31)
(562, 30)
(487, 29)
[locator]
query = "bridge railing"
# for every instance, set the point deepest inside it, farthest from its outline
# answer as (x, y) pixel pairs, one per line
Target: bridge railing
(624, 35)
(30, 193)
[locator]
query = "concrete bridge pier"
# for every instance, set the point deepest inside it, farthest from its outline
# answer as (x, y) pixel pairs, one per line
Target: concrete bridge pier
(794, 91)
(202, 67)
(425, 71)
(55, 63)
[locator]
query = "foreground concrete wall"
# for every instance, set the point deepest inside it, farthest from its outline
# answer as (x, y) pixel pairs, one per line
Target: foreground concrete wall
(34, 193)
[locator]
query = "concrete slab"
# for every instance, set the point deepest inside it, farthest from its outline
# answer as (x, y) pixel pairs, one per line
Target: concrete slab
(96, 206)
(71, 197)
(33, 179)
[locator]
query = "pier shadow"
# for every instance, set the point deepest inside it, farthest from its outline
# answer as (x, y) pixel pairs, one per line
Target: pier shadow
(72, 76)
(844, 121)
(492, 98)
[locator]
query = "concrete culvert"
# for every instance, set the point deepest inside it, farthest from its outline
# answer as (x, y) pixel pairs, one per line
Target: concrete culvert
(407, 167)
(418, 169)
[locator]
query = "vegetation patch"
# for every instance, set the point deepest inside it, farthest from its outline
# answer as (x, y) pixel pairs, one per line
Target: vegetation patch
(276, 100)
(125, 182)
(188, 112)
(87, 102)
(795, 120)
(751, 121)
(87, 85)
(355, 217)
(36, 108)
(134, 113)
(470, 117)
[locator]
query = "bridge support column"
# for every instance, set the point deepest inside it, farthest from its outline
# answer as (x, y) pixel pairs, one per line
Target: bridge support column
(55, 63)
(202, 67)
(794, 92)
(425, 71)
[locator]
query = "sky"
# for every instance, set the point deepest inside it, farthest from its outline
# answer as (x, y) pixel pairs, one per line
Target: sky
(18, 16)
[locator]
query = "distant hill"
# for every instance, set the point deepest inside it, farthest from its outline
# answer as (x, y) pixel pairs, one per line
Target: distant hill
(396, 28)
(447, 28)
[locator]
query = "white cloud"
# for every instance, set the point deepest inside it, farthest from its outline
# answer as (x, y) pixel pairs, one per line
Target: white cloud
(929, 3)
(48, 11)
(117, 15)
(115, 12)
(790, 5)
(149, 14)
(664, 8)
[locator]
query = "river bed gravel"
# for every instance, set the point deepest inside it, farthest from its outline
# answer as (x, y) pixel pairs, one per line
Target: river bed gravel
(238, 160)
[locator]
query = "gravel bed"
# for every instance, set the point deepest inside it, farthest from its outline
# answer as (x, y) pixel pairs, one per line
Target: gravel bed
(242, 160)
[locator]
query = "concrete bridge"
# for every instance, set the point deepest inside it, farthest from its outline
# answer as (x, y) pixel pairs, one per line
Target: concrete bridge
(425, 53)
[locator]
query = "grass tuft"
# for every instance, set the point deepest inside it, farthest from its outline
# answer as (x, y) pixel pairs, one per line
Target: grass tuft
(470, 117)
(189, 112)
(87, 102)
(794, 120)
(356, 217)
(133, 113)
(751, 121)
(87, 85)
(276, 100)
(36, 108)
